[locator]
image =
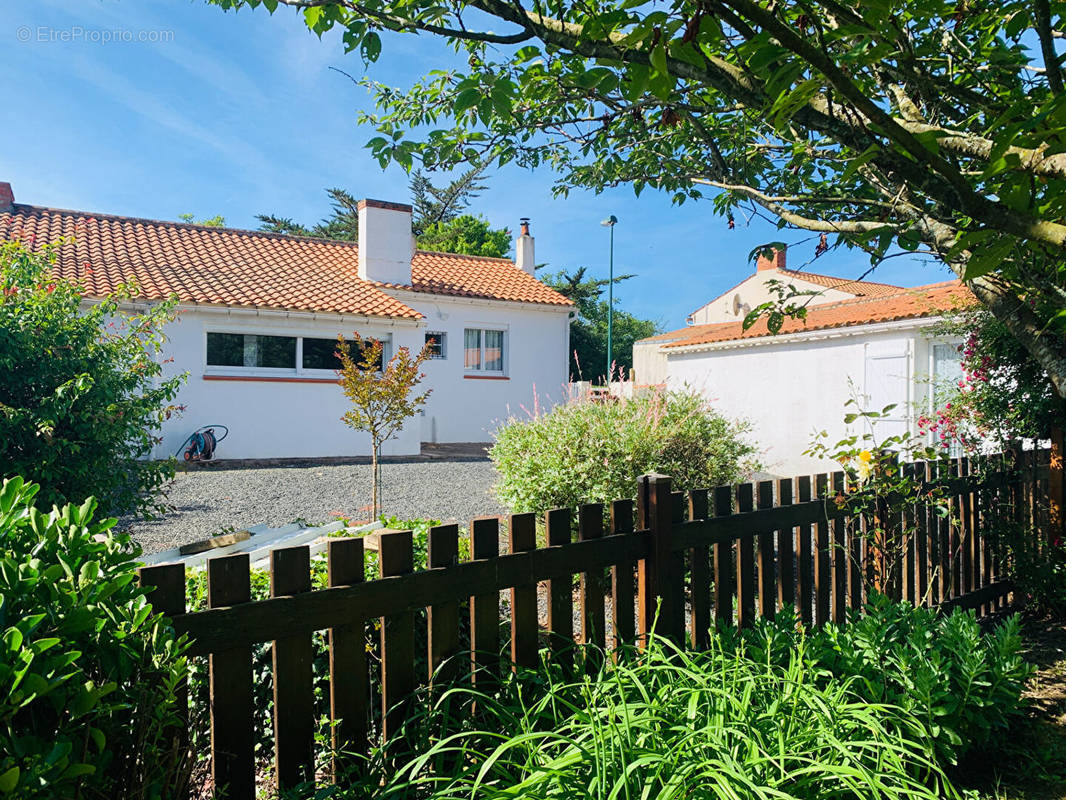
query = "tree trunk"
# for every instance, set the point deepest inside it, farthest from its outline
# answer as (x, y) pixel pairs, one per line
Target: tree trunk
(375, 497)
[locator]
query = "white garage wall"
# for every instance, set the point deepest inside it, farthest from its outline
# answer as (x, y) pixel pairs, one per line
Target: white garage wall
(287, 419)
(793, 388)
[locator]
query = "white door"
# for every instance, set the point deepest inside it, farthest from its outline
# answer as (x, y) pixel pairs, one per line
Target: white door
(888, 382)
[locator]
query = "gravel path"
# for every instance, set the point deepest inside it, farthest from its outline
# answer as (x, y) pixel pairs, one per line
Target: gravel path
(208, 501)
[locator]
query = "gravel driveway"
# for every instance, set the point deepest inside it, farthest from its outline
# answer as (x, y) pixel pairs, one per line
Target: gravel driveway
(210, 500)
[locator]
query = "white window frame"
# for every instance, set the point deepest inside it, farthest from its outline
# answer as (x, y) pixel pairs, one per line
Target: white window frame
(297, 370)
(506, 346)
(442, 337)
(218, 369)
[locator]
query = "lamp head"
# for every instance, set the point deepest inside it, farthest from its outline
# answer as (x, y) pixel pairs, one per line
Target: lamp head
(610, 221)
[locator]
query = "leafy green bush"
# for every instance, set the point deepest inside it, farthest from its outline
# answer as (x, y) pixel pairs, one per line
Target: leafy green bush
(594, 451)
(82, 394)
(87, 672)
(964, 685)
(664, 724)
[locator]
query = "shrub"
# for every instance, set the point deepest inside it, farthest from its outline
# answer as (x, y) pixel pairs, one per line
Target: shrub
(82, 395)
(664, 724)
(593, 451)
(965, 686)
(87, 672)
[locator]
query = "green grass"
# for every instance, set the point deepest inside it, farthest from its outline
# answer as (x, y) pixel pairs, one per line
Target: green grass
(665, 724)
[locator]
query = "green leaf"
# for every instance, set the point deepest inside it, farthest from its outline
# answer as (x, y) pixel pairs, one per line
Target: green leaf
(9, 780)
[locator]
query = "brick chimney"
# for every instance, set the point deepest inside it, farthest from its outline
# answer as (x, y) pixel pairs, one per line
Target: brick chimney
(7, 197)
(777, 261)
(523, 249)
(386, 242)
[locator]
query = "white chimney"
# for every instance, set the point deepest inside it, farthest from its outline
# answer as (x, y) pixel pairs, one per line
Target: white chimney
(386, 242)
(523, 249)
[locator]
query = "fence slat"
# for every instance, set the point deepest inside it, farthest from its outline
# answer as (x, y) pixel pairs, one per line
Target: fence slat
(767, 567)
(485, 609)
(396, 557)
(623, 587)
(700, 572)
(822, 563)
(745, 562)
(294, 693)
(442, 619)
(348, 682)
(786, 554)
(166, 593)
(523, 538)
(966, 530)
(724, 587)
(921, 537)
(589, 527)
(805, 573)
(840, 557)
(230, 679)
(560, 591)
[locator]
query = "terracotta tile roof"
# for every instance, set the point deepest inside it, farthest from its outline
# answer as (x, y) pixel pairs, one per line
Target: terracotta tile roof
(231, 267)
(921, 301)
(857, 288)
(478, 276)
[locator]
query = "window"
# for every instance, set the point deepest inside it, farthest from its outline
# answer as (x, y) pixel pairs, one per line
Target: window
(484, 350)
(251, 350)
(322, 354)
(437, 344)
(296, 354)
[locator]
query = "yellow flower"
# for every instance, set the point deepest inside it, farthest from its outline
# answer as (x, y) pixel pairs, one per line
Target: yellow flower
(864, 465)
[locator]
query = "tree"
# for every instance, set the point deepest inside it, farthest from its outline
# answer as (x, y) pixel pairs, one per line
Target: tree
(380, 394)
(588, 330)
(83, 394)
(467, 234)
(928, 125)
(217, 221)
(436, 220)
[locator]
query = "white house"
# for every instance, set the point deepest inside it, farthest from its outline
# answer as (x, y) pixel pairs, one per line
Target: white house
(259, 314)
(875, 345)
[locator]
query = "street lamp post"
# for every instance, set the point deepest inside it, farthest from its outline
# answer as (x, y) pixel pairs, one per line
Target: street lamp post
(610, 222)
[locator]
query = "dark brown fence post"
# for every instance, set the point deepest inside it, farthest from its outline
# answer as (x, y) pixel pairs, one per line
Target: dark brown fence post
(348, 683)
(767, 567)
(745, 560)
(656, 592)
(166, 593)
(230, 671)
(786, 551)
(840, 556)
(623, 590)
(524, 652)
(442, 619)
(700, 569)
(485, 609)
(396, 557)
(560, 592)
(805, 588)
(823, 577)
(723, 561)
(592, 589)
(1056, 489)
(294, 692)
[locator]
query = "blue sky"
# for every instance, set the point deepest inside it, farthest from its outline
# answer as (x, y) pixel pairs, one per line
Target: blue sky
(239, 114)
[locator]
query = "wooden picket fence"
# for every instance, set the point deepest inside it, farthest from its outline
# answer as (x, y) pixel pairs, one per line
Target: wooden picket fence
(678, 561)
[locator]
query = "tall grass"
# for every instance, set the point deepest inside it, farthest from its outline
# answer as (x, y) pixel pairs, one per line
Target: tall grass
(662, 724)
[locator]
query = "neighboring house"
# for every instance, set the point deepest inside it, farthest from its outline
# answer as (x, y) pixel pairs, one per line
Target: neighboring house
(649, 360)
(875, 346)
(259, 315)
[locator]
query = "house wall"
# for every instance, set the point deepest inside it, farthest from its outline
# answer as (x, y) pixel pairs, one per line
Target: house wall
(278, 414)
(797, 386)
(753, 291)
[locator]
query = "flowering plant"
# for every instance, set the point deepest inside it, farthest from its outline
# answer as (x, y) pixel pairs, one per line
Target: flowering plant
(882, 477)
